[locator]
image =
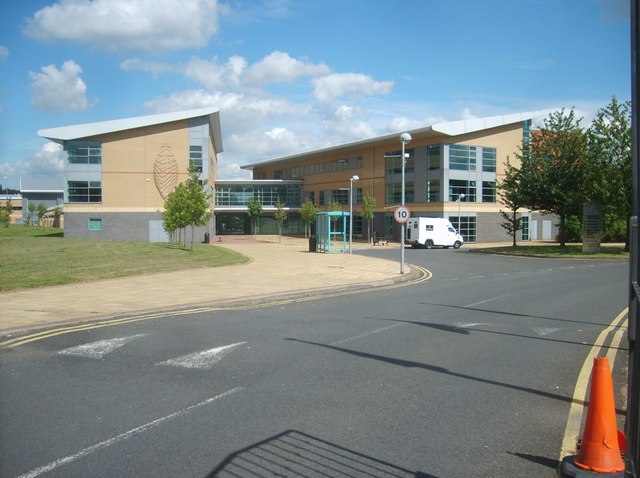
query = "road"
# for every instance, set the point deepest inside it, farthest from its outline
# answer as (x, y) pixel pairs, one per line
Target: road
(470, 373)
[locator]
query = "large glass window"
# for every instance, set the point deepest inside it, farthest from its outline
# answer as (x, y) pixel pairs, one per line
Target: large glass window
(488, 191)
(394, 193)
(195, 158)
(462, 157)
(459, 186)
(466, 227)
(525, 228)
(434, 157)
(84, 191)
(489, 160)
(267, 195)
(393, 161)
(433, 190)
(84, 152)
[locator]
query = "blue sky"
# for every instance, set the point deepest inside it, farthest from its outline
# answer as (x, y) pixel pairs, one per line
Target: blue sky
(290, 76)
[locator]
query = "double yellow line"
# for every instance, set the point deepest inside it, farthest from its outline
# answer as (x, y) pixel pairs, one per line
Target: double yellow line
(424, 275)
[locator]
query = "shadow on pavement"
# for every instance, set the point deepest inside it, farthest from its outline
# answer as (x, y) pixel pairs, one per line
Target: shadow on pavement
(293, 453)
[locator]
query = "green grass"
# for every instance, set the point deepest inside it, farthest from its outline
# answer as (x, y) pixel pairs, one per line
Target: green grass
(40, 257)
(554, 250)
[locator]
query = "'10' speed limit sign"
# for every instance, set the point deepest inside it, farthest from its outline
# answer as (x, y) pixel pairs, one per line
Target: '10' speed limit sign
(401, 214)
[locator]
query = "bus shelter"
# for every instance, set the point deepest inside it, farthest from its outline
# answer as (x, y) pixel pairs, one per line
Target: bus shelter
(331, 229)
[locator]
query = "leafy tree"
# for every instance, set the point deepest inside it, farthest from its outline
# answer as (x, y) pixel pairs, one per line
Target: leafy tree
(368, 212)
(280, 216)
(334, 206)
(558, 154)
(254, 210)
(32, 210)
(41, 211)
(609, 175)
(5, 213)
(510, 192)
(187, 205)
(57, 212)
(308, 212)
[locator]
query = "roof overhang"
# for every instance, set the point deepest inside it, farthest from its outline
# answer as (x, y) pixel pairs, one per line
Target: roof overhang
(87, 130)
(448, 128)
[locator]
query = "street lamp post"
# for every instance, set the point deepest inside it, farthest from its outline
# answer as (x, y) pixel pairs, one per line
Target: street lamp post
(405, 138)
(460, 198)
(355, 177)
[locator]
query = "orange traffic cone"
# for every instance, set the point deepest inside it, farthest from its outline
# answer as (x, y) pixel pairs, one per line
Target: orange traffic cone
(600, 449)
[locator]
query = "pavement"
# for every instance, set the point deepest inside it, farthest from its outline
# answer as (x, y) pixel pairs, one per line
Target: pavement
(278, 269)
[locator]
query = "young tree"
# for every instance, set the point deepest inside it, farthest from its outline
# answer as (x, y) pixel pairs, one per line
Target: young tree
(187, 205)
(280, 216)
(510, 191)
(254, 210)
(368, 212)
(558, 155)
(41, 211)
(5, 213)
(32, 210)
(57, 213)
(609, 175)
(308, 212)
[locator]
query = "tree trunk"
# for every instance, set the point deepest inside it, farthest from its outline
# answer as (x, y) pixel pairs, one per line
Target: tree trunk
(515, 229)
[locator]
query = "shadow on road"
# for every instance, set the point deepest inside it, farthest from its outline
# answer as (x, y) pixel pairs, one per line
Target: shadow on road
(293, 453)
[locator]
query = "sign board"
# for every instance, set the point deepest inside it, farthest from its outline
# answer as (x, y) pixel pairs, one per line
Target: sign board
(401, 214)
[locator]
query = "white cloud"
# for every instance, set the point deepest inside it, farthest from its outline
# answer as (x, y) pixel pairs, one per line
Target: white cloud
(59, 89)
(279, 67)
(151, 26)
(214, 75)
(4, 53)
(330, 87)
(48, 162)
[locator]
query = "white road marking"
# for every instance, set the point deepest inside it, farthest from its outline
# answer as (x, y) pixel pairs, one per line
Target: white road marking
(100, 348)
(366, 334)
(123, 436)
(544, 330)
(202, 360)
(472, 324)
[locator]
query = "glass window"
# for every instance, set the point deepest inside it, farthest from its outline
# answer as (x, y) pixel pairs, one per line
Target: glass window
(84, 191)
(489, 160)
(433, 190)
(394, 193)
(488, 191)
(393, 161)
(95, 224)
(459, 186)
(462, 157)
(195, 158)
(434, 157)
(525, 228)
(84, 152)
(466, 227)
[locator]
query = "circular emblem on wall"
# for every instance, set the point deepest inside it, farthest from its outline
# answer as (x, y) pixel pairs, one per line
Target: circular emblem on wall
(165, 171)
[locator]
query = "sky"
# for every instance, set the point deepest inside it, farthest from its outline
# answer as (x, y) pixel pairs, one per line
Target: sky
(290, 76)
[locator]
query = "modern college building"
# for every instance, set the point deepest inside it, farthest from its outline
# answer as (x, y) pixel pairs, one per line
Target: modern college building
(451, 171)
(118, 173)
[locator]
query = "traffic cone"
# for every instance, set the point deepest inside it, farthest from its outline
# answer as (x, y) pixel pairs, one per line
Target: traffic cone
(600, 448)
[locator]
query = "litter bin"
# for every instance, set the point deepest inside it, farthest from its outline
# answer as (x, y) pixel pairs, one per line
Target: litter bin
(312, 244)
(206, 237)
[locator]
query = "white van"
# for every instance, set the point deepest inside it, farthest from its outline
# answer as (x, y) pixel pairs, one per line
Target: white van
(432, 231)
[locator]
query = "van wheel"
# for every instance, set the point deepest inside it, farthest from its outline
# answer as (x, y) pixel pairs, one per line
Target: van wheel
(428, 244)
(456, 245)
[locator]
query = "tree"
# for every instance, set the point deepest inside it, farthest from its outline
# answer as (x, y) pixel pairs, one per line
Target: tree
(41, 211)
(510, 191)
(368, 212)
(308, 212)
(187, 205)
(334, 206)
(5, 213)
(254, 210)
(609, 174)
(280, 216)
(57, 212)
(558, 154)
(32, 209)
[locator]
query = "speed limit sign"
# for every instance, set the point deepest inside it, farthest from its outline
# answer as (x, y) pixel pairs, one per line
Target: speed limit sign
(401, 214)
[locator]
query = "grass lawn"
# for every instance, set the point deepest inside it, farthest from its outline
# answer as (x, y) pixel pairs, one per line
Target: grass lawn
(554, 250)
(40, 257)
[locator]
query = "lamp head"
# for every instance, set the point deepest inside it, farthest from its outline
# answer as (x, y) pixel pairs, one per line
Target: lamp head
(462, 196)
(355, 177)
(405, 138)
